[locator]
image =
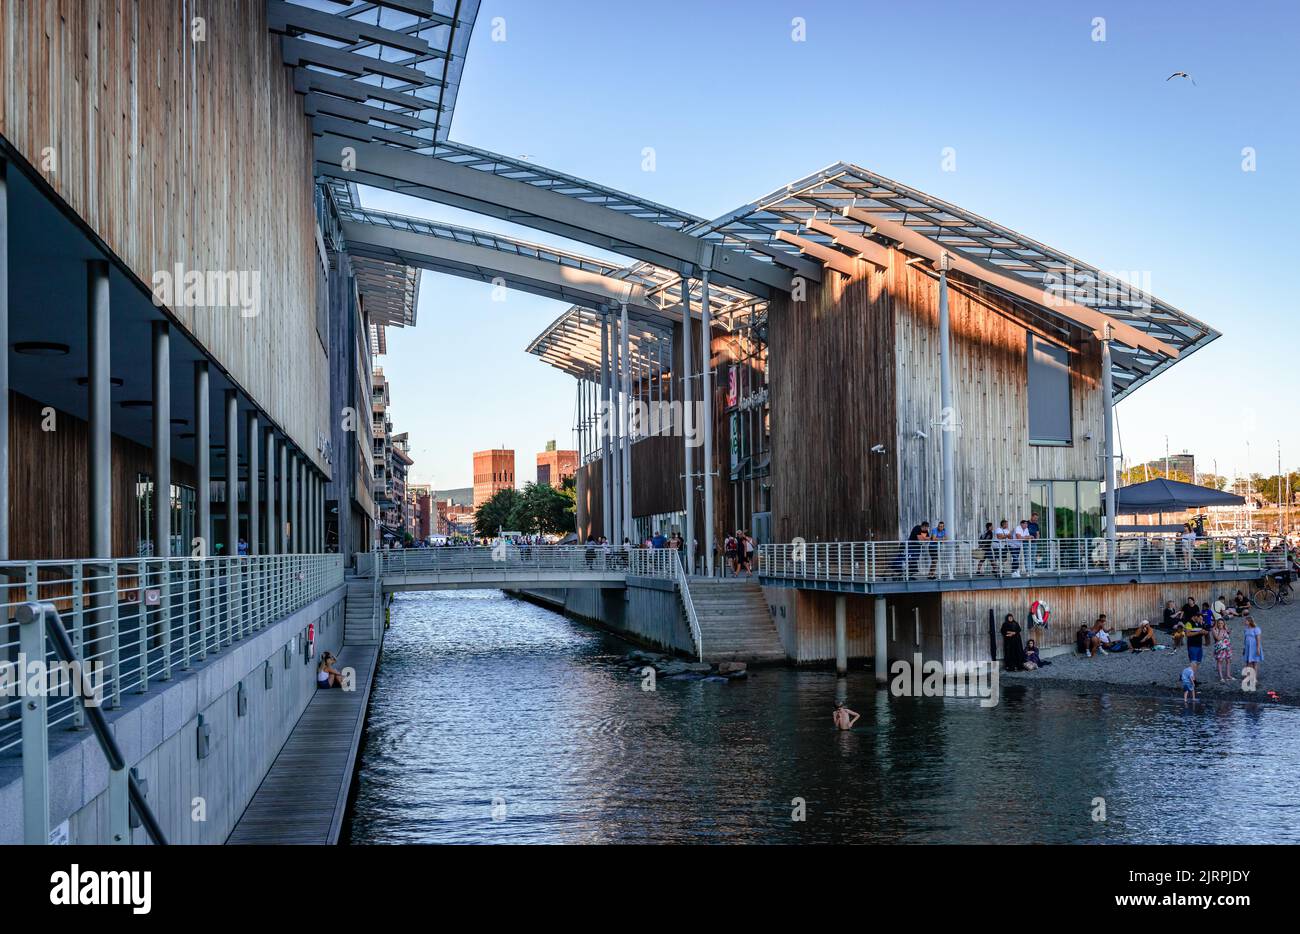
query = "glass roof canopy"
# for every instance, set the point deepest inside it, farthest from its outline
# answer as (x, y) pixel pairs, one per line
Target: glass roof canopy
(388, 73)
(825, 196)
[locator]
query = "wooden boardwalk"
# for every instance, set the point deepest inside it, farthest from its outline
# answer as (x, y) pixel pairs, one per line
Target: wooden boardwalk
(304, 795)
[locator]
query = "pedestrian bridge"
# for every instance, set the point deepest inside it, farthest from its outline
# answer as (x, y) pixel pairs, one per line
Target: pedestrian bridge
(509, 566)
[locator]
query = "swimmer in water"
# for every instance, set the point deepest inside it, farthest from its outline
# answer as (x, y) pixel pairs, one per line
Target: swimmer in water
(843, 717)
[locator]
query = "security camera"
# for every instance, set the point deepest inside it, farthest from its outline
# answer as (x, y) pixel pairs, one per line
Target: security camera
(921, 434)
(877, 449)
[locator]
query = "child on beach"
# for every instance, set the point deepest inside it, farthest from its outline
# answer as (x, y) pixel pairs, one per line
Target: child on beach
(1221, 638)
(1189, 684)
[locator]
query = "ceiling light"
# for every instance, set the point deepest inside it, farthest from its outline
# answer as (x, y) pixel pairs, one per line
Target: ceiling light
(41, 349)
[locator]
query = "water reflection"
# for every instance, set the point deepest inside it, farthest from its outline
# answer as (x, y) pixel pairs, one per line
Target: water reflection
(481, 697)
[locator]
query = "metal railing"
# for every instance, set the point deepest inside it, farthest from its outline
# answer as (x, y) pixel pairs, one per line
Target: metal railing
(688, 603)
(36, 622)
(134, 622)
(577, 558)
(964, 560)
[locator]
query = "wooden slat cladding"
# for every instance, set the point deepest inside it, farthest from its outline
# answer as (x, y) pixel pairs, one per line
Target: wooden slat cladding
(832, 385)
(994, 460)
(48, 472)
(180, 151)
(656, 483)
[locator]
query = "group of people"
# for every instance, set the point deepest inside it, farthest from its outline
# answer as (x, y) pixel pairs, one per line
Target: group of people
(738, 552)
(1003, 545)
(1017, 654)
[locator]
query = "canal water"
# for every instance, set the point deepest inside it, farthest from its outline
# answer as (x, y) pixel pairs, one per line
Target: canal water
(494, 720)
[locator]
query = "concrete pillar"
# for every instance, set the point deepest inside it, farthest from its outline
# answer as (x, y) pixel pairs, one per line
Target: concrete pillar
(4, 362)
(202, 459)
(272, 532)
(706, 399)
(947, 417)
(628, 526)
(162, 440)
(882, 643)
(232, 472)
(688, 417)
(254, 481)
(841, 636)
(99, 504)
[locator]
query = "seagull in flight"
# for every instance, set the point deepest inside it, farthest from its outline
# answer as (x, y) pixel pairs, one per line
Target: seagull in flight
(1182, 74)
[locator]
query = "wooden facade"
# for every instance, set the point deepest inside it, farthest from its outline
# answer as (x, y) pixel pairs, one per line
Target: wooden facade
(855, 366)
(47, 473)
(173, 148)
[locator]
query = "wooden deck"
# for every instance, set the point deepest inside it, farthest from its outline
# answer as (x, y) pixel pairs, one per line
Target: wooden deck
(303, 797)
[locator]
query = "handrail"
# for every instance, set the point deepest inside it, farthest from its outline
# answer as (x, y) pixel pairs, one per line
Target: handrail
(141, 621)
(58, 635)
(968, 560)
(684, 588)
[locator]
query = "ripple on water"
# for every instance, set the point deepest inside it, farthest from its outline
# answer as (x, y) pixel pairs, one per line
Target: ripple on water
(481, 697)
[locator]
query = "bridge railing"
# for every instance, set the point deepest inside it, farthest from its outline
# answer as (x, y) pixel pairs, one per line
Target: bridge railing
(908, 561)
(135, 622)
(578, 559)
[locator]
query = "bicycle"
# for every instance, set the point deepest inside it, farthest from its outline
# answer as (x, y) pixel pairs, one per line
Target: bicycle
(1265, 597)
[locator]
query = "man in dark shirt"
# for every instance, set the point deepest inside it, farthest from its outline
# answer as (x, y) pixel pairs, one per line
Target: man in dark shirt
(919, 533)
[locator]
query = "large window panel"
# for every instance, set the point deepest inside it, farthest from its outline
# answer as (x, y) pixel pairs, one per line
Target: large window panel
(1049, 392)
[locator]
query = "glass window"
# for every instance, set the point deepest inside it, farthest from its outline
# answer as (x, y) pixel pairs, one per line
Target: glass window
(1089, 508)
(1065, 508)
(1049, 392)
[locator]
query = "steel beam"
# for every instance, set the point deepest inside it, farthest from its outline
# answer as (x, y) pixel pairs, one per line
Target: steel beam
(688, 534)
(483, 192)
(706, 400)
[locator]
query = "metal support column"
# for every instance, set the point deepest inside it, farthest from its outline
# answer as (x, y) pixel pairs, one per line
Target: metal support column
(4, 362)
(162, 440)
(254, 483)
(99, 504)
(1108, 411)
(629, 529)
(706, 399)
(272, 533)
(688, 418)
(202, 461)
(295, 518)
(232, 473)
(606, 472)
(947, 416)
(282, 520)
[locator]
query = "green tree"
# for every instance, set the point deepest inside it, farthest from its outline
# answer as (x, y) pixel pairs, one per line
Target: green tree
(497, 513)
(542, 508)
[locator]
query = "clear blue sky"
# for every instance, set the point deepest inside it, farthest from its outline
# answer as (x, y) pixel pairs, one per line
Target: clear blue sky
(1080, 144)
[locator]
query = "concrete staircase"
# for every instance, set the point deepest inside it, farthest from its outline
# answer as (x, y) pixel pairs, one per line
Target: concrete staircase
(735, 623)
(359, 610)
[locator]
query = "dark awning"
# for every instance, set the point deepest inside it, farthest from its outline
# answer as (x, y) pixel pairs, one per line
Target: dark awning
(1161, 495)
